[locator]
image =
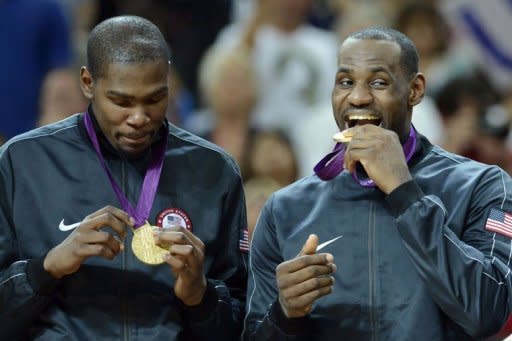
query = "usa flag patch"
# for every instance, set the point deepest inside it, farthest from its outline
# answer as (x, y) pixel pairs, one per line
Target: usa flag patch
(244, 241)
(500, 222)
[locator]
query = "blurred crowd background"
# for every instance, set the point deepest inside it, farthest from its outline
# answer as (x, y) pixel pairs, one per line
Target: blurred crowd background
(255, 76)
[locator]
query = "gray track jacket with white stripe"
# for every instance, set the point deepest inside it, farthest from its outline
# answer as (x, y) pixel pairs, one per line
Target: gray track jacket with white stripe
(417, 264)
(53, 173)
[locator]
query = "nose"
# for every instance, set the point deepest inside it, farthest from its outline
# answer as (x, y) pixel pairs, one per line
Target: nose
(138, 117)
(360, 95)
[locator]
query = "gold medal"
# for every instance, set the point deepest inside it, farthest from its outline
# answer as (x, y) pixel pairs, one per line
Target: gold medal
(341, 137)
(144, 247)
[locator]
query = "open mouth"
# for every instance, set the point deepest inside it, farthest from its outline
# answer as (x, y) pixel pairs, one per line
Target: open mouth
(353, 120)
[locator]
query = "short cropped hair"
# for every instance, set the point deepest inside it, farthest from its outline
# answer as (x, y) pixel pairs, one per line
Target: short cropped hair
(124, 39)
(409, 58)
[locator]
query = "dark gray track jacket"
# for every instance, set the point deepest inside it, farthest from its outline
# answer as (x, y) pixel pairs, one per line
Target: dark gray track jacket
(53, 174)
(418, 264)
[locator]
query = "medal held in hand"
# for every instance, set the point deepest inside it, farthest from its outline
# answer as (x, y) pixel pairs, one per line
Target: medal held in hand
(144, 247)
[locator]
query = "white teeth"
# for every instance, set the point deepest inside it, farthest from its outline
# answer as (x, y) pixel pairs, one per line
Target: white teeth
(363, 117)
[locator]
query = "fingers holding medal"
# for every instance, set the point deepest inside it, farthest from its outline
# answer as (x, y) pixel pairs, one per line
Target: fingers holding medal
(186, 259)
(185, 250)
(89, 238)
(173, 242)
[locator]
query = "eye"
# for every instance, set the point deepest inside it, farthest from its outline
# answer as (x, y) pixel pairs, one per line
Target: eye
(123, 103)
(378, 83)
(345, 83)
(156, 99)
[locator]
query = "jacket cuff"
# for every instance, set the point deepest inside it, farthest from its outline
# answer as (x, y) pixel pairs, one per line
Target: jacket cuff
(404, 196)
(289, 326)
(41, 281)
(203, 310)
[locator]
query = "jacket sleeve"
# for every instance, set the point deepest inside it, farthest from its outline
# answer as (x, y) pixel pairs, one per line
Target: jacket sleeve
(25, 287)
(265, 319)
(468, 274)
(220, 314)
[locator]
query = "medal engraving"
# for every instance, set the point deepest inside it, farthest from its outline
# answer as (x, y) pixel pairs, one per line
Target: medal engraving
(144, 247)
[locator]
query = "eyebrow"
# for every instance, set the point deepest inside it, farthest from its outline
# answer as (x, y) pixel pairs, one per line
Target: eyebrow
(344, 69)
(379, 69)
(115, 93)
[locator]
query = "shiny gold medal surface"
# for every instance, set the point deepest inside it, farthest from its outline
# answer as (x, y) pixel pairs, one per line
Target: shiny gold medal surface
(341, 137)
(144, 247)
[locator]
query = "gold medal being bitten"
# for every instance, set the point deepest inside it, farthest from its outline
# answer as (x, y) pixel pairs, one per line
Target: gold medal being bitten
(144, 247)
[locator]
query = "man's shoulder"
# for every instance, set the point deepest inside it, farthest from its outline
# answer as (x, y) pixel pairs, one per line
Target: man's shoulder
(444, 158)
(457, 170)
(58, 130)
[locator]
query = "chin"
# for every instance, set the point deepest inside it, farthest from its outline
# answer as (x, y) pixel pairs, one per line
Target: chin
(134, 153)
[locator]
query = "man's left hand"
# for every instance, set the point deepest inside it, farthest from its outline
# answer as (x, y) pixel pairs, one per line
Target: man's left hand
(186, 258)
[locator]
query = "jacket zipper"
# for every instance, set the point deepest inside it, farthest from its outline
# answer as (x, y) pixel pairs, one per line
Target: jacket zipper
(372, 275)
(126, 329)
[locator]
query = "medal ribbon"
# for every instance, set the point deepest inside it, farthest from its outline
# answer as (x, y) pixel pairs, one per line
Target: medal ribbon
(147, 194)
(332, 164)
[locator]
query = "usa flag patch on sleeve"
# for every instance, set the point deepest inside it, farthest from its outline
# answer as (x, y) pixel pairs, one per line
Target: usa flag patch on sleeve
(500, 222)
(244, 241)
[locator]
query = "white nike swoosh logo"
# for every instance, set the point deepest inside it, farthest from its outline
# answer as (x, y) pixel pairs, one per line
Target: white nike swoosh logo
(64, 227)
(324, 244)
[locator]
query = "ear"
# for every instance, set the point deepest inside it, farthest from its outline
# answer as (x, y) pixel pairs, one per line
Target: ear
(86, 83)
(417, 89)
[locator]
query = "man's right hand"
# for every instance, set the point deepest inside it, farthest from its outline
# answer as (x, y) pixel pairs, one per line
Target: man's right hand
(89, 240)
(304, 279)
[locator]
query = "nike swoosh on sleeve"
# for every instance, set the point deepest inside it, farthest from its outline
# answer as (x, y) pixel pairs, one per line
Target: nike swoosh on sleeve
(64, 227)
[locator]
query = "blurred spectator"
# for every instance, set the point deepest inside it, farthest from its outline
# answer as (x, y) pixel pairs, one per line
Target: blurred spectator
(441, 58)
(36, 37)
(322, 15)
(490, 144)
(228, 86)
(353, 17)
(257, 191)
(61, 96)
(507, 104)
(462, 102)
(271, 155)
(294, 61)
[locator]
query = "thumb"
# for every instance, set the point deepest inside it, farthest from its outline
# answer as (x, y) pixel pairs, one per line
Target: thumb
(310, 245)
